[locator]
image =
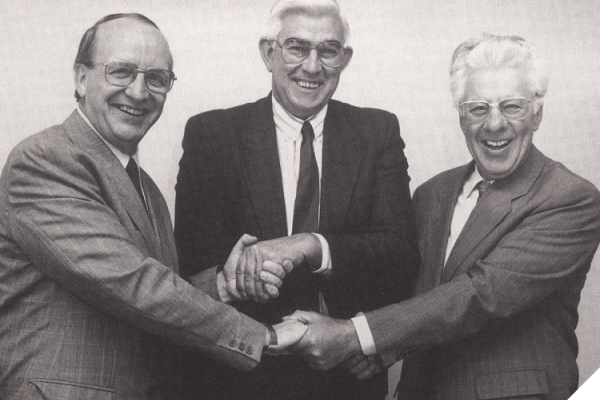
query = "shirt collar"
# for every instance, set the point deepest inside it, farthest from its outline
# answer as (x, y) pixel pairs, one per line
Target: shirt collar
(295, 123)
(472, 181)
(122, 157)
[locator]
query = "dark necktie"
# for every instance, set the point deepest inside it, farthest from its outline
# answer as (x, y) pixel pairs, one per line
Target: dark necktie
(134, 175)
(483, 187)
(306, 207)
(305, 292)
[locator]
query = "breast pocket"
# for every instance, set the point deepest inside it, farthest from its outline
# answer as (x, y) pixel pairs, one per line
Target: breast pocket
(61, 390)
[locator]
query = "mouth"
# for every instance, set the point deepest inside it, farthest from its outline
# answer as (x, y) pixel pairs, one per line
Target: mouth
(496, 145)
(308, 85)
(135, 112)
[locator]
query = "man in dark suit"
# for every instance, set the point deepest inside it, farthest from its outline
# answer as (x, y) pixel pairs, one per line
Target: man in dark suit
(506, 242)
(90, 299)
(243, 171)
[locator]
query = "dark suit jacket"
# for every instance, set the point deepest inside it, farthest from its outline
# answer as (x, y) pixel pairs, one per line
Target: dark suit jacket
(89, 290)
(230, 183)
(499, 319)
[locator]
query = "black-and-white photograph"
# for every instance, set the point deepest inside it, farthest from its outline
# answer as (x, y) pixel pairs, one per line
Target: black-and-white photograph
(299, 199)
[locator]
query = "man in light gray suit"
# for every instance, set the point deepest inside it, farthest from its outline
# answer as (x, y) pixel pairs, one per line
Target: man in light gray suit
(90, 300)
(505, 242)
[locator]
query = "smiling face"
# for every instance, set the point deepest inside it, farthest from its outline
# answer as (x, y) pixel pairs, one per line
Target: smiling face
(498, 145)
(123, 115)
(303, 89)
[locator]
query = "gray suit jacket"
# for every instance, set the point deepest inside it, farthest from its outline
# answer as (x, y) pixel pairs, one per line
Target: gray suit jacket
(499, 319)
(90, 299)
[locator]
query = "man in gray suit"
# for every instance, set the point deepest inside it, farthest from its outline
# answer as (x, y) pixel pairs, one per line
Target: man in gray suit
(506, 242)
(90, 298)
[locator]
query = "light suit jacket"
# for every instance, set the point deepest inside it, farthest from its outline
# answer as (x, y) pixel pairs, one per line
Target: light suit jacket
(499, 319)
(90, 299)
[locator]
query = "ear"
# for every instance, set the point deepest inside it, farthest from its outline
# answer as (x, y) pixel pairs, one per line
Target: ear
(347, 57)
(80, 75)
(266, 52)
(537, 118)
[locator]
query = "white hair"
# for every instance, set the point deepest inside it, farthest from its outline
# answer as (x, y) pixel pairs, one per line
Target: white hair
(491, 51)
(316, 8)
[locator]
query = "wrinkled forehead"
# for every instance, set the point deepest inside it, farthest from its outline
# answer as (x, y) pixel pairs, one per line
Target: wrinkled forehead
(126, 39)
(313, 27)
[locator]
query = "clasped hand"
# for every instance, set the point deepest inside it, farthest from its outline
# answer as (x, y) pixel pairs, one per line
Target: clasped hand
(255, 270)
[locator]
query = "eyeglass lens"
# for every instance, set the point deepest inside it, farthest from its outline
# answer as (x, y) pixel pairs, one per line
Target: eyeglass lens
(123, 74)
(330, 53)
(513, 108)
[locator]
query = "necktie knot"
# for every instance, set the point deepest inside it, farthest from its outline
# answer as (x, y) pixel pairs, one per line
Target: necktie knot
(482, 186)
(307, 132)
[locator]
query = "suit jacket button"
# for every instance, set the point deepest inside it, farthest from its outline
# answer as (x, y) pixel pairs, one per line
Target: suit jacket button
(249, 350)
(242, 346)
(232, 343)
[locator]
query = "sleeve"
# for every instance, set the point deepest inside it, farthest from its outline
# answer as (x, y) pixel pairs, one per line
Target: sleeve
(62, 213)
(375, 264)
(207, 224)
(551, 247)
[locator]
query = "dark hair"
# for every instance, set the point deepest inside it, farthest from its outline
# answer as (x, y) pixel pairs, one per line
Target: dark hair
(88, 40)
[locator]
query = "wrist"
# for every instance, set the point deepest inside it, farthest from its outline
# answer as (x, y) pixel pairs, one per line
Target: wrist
(312, 251)
(271, 342)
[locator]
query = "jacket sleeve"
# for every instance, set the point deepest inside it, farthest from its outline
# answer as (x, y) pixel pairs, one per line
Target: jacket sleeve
(374, 262)
(546, 253)
(65, 222)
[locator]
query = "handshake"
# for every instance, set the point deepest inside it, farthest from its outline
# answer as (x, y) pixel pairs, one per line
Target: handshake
(255, 271)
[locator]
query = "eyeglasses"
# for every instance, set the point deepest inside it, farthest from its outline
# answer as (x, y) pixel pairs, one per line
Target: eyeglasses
(331, 53)
(514, 109)
(123, 74)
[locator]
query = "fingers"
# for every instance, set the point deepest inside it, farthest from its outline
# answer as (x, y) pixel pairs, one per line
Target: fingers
(289, 333)
(288, 266)
(239, 275)
(302, 316)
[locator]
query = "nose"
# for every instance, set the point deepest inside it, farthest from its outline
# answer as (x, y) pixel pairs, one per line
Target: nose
(137, 90)
(496, 121)
(312, 64)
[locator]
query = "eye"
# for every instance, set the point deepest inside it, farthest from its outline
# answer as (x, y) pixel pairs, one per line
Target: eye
(512, 108)
(157, 78)
(121, 71)
(478, 108)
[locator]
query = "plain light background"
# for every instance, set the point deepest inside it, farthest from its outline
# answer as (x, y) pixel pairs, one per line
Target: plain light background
(402, 51)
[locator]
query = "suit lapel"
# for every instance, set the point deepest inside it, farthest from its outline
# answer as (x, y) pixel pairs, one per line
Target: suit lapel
(492, 209)
(83, 136)
(439, 229)
(342, 158)
(261, 169)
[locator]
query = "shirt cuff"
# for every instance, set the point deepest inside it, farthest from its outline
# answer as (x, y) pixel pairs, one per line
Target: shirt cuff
(365, 337)
(325, 256)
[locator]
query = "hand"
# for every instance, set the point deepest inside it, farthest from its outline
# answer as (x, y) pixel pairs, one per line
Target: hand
(364, 367)
(289, 333)
(287, 252)
(328, 342)
(271, 275)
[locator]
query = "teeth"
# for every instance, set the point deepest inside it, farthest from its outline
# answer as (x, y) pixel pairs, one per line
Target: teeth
(130, 110)
(500, 143)
(309, 85)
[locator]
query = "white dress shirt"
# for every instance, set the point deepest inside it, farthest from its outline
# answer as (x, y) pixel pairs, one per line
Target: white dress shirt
(289, 140)
(467, 200)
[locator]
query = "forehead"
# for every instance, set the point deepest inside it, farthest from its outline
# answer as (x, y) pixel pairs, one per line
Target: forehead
(494, 84)
(126, 39)
(313, 28)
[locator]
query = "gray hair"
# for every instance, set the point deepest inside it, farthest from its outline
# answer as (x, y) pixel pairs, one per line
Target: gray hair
(316, 8)
(491, 51)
